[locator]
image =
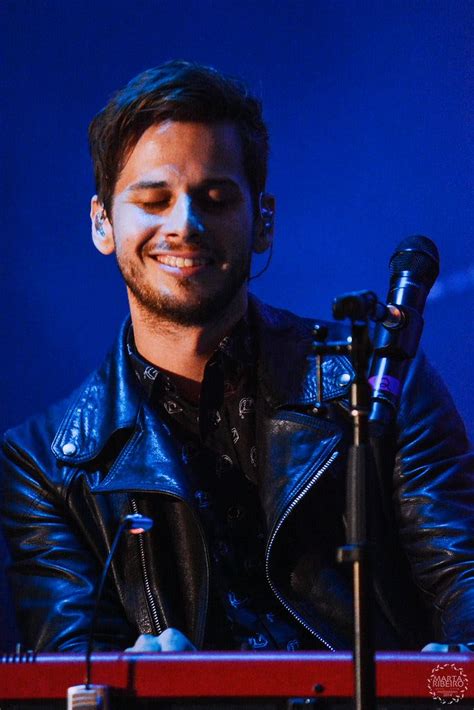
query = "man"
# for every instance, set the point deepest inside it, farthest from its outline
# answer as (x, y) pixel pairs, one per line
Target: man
(205, 417)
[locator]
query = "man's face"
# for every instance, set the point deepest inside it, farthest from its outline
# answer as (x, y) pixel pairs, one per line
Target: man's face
(182, 221)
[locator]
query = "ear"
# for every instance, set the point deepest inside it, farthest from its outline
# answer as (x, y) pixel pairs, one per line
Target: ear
(102, 233)
(265, 223)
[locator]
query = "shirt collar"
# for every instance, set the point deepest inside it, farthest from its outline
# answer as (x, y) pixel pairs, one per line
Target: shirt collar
(233, 352)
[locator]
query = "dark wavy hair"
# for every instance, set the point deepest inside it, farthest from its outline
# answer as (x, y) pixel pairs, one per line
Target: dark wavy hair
(177, 91)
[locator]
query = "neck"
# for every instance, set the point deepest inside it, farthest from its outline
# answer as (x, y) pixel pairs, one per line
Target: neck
(182, 351)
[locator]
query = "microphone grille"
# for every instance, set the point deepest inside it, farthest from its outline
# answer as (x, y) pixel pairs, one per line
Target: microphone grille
(418, 255)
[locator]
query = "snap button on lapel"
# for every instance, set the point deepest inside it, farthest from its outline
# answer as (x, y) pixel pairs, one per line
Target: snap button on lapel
(69, 449)
(344, 379)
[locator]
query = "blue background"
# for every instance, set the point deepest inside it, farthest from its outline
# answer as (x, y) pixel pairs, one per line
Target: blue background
(368, 104)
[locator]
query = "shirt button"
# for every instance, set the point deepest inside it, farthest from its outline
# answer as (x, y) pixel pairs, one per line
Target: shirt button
(69, 449)
(235, 512)
(344, 379)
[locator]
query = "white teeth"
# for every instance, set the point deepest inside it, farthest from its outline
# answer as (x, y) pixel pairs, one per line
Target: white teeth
(179, 261)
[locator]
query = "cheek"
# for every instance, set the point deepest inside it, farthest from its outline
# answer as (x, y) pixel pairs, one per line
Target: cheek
(134, 219)
(238, 228)
(132, 227)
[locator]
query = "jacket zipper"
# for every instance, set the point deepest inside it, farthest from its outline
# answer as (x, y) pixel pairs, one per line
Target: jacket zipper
(146, 580)
(276, 528)
(203, 616)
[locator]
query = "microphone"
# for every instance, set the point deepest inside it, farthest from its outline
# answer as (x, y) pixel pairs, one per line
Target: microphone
(80, 697)
(414, 267)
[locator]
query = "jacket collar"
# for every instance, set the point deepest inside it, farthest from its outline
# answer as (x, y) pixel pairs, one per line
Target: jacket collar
(111, 399)
(287, 365)
(107, 402)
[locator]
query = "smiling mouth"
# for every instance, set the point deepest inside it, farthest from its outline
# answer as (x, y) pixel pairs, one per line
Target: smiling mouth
(182, 262)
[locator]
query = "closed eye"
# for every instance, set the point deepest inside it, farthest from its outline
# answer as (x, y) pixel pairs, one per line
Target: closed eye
(218, 197)
(155, 205)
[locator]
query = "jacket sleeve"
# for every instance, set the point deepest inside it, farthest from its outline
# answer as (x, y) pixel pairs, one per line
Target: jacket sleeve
(53, 570)
(434, 501)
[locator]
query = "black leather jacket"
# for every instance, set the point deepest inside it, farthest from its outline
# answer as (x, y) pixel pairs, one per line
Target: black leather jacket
(70, 474)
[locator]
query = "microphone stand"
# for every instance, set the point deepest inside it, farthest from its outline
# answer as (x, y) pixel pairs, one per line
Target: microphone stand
(98, 596)
(357, 549)
(89, 695)
(359, 308)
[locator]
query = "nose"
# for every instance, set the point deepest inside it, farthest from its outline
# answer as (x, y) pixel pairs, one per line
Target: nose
(184, 220)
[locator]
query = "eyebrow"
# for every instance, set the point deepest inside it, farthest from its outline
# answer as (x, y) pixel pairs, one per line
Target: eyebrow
(157, 185)
(148, 185)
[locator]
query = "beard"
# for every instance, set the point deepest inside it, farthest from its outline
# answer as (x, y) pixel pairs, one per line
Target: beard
(200, 310)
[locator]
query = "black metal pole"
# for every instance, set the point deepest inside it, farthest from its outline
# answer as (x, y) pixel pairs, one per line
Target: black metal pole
(358, 550)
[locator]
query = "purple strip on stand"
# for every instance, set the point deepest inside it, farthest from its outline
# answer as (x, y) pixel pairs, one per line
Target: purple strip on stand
(385, 384)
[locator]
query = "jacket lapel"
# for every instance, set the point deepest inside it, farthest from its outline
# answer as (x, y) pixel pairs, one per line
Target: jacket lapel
(149, 463)
(293, 445)
(294, 450)
(111, 401)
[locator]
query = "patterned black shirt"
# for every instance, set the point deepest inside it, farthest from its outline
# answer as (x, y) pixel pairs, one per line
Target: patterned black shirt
(219, 451)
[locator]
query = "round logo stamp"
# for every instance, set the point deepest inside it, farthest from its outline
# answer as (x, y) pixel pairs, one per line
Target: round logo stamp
(447, 683)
